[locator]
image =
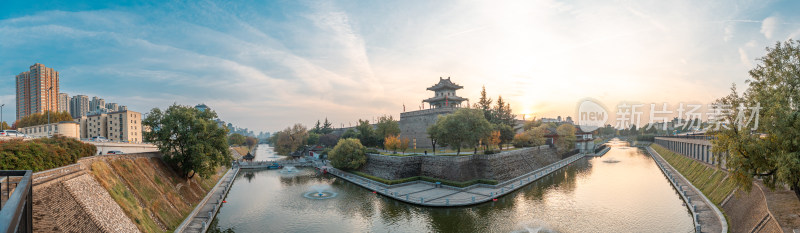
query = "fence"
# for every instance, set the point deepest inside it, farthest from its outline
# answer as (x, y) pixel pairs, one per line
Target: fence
(16, 213)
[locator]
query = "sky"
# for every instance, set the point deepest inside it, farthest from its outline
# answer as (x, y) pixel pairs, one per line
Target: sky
(266, 65)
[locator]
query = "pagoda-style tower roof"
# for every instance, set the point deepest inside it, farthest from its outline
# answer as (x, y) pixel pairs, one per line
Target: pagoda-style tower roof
(445, 94)
(445, 84)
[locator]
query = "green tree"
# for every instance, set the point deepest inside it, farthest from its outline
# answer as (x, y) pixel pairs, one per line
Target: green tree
(189, 139)
(485, 105)
(41, 119)
(531, 124)
(326, 127)
(348, 154)
(366, 133)
(328, 140)
(506, 134)
(566, 138)
(768, 147)
(464, 128)
(236, 139)
(387, 126)
(350, 133)
(317, 128)
(4, 126)
(501, 114)
(313, 139)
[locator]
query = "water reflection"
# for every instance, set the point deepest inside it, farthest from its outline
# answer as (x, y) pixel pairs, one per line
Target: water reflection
(587, 196)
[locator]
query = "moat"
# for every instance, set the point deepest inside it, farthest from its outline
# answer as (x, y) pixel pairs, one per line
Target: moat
(623, 191)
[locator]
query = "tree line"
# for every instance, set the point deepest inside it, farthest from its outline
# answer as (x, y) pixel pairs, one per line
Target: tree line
(41, 119)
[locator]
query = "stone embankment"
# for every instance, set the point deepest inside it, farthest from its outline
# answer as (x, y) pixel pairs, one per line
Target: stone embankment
(500, 167)
(431, 194)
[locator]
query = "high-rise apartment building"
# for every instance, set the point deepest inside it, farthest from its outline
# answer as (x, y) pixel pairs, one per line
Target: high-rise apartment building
(96, 104)
(79, 106)
(63, 102)
(112, 107)
(37, 90)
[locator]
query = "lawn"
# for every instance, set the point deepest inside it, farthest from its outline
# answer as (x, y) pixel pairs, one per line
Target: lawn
(713, 182)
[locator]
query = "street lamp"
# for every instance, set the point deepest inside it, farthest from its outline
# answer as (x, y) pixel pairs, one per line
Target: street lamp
(1, 116)
(49, 99)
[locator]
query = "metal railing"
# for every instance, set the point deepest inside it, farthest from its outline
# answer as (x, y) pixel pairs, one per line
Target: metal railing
(16, 209)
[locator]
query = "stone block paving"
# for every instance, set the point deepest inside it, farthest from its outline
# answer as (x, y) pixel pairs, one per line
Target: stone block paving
(430, 194)
(708, 218)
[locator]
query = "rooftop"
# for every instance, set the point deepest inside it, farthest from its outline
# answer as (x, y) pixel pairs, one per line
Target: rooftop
(445, 84)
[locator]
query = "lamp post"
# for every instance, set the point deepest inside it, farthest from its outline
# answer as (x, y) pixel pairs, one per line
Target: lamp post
(49, 98)
(1, 117)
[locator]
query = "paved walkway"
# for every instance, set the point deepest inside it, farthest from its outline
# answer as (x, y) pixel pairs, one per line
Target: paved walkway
(430, 194)
(200, 219)
(707, 218)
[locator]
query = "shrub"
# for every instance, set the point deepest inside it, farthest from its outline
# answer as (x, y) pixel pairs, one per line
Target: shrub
(348, 154)
(42, 154)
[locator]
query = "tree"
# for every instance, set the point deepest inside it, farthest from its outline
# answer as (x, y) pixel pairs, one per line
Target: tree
(236, 139)
(41, 119)
(464, 128)
(328, 140)
(290, 139)
(391, 143)
(317, 128)
(404, 143)
(531, 124)
(767, 147)
(251, 142)
(532, 137)
(506, 134)
(566, 138)
(350, 133)
(4, 126)
(485, 105)
(313, 139)
(367, 133)
(387, 126)
(494, 139)
(326, 127)
(348, 154)
(189, 139)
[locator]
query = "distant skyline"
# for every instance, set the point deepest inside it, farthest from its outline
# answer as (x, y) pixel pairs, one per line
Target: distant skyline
(267, 65)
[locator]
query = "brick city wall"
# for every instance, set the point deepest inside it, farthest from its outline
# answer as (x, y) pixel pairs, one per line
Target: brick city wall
(500, 167)
(56, 209)
(414, 125)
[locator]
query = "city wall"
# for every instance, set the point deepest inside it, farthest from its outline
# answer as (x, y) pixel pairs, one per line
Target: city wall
(502, 166)
(414, 125)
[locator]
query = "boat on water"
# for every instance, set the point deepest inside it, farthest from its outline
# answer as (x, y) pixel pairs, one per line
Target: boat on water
(275, 166)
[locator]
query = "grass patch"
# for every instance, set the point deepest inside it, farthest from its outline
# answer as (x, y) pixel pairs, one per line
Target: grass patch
(713, 182)
(425, 178)
(242, 150)
(126, 200)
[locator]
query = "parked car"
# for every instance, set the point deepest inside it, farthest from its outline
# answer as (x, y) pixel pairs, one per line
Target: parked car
(11, 133)
(115, 152)
(99, 139)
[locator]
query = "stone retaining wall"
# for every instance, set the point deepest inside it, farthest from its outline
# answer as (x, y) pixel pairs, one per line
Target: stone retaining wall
(58, 209)
(500, 167)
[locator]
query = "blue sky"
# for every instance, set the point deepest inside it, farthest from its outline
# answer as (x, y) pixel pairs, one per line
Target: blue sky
(268, 64)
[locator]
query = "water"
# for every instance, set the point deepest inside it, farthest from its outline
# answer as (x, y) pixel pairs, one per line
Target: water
(630, 195)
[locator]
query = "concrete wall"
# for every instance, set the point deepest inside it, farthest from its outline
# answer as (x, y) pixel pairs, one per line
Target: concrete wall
(500, 167)
(748, 212)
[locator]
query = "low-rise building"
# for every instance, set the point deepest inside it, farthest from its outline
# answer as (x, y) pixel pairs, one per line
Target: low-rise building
(119, 126)
(65, 128)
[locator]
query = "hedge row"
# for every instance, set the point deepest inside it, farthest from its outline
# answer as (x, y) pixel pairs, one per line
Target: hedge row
(43, 153)
(425, 178)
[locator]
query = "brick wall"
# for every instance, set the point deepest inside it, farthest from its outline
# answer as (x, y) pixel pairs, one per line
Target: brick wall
(500, 167)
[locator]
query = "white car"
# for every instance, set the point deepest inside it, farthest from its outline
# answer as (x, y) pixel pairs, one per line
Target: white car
(99, 139)
(11, 133)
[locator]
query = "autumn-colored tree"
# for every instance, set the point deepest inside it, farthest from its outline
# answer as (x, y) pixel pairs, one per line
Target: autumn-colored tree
(290, 139)
(404, 143)
(391, 142)
(494, 139)
(41, 119)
